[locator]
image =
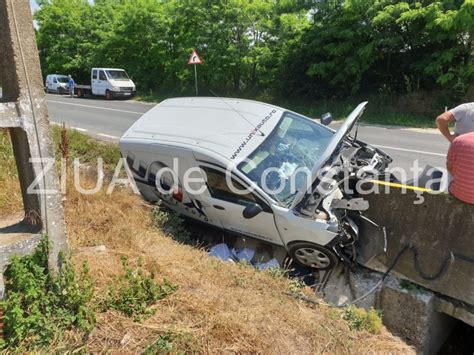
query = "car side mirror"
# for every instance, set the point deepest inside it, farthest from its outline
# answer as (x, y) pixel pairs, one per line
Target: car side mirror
(326, 119)
(252, 210)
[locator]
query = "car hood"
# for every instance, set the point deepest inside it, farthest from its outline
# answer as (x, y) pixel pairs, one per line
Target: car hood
(338, 137)
(123, 83)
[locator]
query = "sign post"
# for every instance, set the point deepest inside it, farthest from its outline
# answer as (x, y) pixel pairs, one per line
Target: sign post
(195, 60)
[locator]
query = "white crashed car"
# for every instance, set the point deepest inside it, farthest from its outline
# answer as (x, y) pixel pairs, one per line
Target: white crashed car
(256, 170)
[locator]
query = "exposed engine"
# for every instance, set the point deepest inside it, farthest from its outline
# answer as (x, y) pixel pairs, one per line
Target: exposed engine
(334, 198)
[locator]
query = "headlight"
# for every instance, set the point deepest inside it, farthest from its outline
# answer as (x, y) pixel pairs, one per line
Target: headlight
(115, 88)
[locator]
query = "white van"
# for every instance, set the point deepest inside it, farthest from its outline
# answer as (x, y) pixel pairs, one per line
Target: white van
(56, 83)
(108, 82)
(254, 169)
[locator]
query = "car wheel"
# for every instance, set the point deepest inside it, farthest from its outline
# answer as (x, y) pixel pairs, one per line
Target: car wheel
(313, 255)
(47, 90)
(108, 95)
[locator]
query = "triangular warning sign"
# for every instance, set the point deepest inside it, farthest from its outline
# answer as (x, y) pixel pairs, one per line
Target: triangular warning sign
(194, 59)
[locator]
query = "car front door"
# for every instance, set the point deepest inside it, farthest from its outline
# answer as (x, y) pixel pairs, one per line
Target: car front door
(95, 82)
(101, 83)
(55, 85)
(226, 206)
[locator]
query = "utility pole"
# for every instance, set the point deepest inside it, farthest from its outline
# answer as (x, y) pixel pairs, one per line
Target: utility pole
(24, 113)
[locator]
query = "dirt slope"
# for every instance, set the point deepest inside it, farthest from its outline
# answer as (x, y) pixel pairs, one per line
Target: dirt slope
(218, 307)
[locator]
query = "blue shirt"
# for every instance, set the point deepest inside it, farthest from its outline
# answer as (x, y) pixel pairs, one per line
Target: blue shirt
(70, 83)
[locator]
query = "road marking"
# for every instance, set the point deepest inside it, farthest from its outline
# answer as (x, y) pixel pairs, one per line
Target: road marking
(79, 129)
(107, 136)
(411, 151)
(96, 107)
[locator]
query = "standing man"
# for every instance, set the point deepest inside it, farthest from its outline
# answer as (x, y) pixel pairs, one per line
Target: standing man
(70, 85)
(461, 167)
(463, 118)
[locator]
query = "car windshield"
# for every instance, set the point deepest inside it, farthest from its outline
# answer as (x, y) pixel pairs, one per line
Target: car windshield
(117, 74)
(62, 78)
(282, 164)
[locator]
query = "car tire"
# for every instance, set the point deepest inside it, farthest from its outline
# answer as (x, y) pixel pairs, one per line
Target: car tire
(108, 95)
(313, 255)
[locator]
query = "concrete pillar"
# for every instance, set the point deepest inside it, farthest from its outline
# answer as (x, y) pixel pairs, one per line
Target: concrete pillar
(412, 315)
(23, 110)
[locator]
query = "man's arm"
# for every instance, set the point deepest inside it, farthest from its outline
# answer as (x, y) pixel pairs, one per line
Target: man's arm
(443, 121)
(451, 158)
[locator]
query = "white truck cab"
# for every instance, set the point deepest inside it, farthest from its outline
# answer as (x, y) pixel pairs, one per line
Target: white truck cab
(251, 169)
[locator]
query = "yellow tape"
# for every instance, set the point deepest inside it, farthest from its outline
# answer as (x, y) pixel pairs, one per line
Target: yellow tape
(400, 186)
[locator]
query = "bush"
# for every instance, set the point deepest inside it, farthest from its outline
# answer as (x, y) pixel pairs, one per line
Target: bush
(360, 319)
(135, 291)
(39, 305)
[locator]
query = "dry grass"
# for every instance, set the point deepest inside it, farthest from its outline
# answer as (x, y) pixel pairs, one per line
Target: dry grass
(10, 194)
(219, 307)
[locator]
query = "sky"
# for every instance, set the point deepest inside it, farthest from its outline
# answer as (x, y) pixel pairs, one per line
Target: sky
(33, 5)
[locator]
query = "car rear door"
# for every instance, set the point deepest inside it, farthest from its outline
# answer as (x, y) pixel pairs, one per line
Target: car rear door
(224, 205)
(163, 172)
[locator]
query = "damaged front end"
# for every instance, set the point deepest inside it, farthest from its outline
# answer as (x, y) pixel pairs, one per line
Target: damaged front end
(335, 195)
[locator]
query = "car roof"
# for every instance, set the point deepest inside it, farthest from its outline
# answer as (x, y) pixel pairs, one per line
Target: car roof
(108, 69)
(232, 128)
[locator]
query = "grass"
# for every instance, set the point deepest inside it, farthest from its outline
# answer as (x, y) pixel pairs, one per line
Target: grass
(408, 111)
(10, 194)
(80, 146)
(218, 307)
(415, 110)
(360, 319)
(85, 148)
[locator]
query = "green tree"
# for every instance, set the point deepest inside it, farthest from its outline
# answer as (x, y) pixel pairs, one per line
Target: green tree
(64, 36)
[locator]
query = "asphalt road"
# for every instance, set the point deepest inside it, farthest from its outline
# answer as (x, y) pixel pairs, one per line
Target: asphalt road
(110, 119)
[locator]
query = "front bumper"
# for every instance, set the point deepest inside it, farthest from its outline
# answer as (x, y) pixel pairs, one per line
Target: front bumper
(123, 94)
(63, 90)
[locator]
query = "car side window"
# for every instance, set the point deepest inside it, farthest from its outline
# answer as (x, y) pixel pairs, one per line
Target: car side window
(102, 75)
(94, 74)
(219, 189)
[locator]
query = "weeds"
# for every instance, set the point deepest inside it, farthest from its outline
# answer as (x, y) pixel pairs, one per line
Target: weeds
(39, 306)
(295, 284)
(85, 148)
(172, 224)
(171, 343)
(360, 319)
(133, 292)
(410, 286)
